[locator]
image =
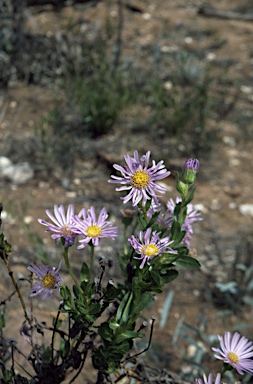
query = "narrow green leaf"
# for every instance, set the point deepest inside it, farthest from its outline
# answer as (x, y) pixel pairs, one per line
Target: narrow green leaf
(124, 308)
(128, 335)
(145, 299)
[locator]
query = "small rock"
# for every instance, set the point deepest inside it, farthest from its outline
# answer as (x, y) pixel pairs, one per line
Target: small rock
(201, 208)
(17, 174)
(229, 140)
(22, 173)
(28, 219)
(246, 209)
(5, 165)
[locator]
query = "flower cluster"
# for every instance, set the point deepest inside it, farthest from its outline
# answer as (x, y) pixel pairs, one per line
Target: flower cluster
(69, 226)
(139, 180)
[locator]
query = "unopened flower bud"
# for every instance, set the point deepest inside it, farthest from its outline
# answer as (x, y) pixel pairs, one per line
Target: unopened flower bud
(190, 169)
(182, 188)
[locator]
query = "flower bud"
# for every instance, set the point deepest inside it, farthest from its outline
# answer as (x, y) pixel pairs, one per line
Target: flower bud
(190, 169)
(182, 188)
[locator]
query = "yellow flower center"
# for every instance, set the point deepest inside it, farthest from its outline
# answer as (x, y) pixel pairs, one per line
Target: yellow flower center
(93, 231)
(150, 250)
(140, 179)
(66, 231)
(233, 358)
(49, 281)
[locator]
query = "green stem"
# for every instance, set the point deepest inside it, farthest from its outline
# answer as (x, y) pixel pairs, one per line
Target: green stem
(125, 241)
(66, 259)
(91, 261)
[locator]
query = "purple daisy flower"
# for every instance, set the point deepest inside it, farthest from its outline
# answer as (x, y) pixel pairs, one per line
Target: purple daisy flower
(63, 226)
(92, 228)
(49, 280)
(236, 351)
(209, 379)
(139, 179)
(191, 217)
(150, 245)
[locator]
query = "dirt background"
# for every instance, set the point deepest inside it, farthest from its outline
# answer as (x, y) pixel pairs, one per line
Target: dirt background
(224, 181)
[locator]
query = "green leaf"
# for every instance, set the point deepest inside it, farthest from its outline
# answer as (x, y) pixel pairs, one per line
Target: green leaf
(169, 276)
(175, 229)
(153, 219)
(191, 196)
(76, 292)
(124, 309)
(128, 335)
(65, 293)
(64, 347)
(187, 262)
(80, 306)
(113, 323)
(142, 222)
(106, 332)
(145, 299)
(94, 308)
(156, 278)
(84, 273)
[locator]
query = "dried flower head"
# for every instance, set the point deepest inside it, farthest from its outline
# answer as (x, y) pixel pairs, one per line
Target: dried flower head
(139, 179)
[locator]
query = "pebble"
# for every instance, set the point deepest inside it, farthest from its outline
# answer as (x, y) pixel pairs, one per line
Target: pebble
(17, 173)
(246, 209)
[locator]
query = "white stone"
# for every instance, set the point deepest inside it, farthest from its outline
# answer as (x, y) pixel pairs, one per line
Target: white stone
(5, 163)
(28, 219)
(246, 209)
(200, 207)
(22, 173)
(210, 56)
(146, 16)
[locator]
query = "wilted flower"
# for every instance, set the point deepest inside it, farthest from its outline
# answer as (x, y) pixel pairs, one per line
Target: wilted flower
(139, 179)
(191, 216)
(236, 351)
(209, 379)
(63, 226)
(150, 245)
(49, 280)
(92, 228)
